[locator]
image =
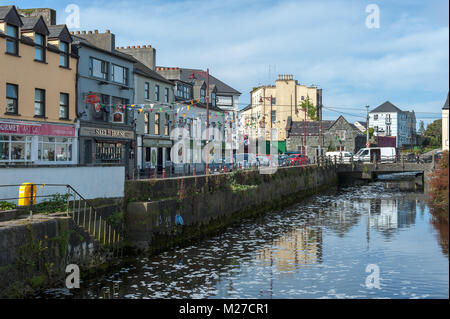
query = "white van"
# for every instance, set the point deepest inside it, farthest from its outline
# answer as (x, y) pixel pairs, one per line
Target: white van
(380, 154)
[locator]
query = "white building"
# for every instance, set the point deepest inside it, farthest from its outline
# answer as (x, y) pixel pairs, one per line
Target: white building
(389, 120)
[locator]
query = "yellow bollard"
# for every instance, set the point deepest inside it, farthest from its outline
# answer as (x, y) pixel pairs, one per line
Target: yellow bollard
(27, 194)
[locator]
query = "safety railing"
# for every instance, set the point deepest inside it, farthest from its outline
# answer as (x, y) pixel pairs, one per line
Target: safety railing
(80, 209)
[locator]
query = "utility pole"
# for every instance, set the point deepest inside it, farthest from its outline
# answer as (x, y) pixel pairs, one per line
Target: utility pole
(304, 134)
(207, 121)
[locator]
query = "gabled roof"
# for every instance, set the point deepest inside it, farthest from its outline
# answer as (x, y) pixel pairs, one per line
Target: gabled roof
(445, 107)
(386, 107)
(61, 32)
(10, 14)
(36, 24)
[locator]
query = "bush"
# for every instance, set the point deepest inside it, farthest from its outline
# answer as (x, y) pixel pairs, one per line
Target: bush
(7, 205)
(439, 190)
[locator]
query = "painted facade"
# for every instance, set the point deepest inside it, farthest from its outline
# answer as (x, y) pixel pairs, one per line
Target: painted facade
(37, 118)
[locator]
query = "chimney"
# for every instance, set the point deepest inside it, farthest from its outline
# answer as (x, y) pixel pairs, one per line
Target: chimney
(49, 15)
(144, 53)
(105, 41)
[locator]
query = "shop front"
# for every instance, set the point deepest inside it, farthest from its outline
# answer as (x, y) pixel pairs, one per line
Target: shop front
(24, 142)
(156, 152)
(101, 144)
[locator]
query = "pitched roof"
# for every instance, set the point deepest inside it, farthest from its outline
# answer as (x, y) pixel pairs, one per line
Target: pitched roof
(445, 107)
(79, 41)
(312, 127)
(386, 107)
(186, 76)
(5, 14)
(141, 69)
(59, 31)
(35, 23)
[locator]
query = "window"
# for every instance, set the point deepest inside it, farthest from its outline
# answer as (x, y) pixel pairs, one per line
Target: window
(39, 49)
(39, 102)
(12, 94)
(274, 101)
(64, 55)
(55, 149)
(156, 92)
(166, 125)
(274, 116)
(109, 152)
(213, 99)
(187, 92)
(119, 74)
(12, 39)
(157, 124)
(118, 115)
(202, 95)
(166, 95)
(303, 98)
(15, 148)
(375, 117)
(179, 90)
(99, 68)
(147, 90)
(146, 116)
(341, 134)
(64, 106)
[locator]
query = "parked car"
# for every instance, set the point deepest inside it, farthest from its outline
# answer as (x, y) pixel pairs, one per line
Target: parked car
(341, 156)
(298, 159)
(245, 159)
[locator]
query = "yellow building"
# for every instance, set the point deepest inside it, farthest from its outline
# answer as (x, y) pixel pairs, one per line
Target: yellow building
(37, 91)
(445, 126)
(277, 103)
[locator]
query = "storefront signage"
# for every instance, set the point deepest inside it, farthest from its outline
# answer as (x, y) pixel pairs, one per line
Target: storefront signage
(156, 143)
(36, 129)
(224, 100)
(106, 132)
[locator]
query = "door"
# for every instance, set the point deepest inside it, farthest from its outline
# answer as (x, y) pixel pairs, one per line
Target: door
(87, 151)
(160, 159)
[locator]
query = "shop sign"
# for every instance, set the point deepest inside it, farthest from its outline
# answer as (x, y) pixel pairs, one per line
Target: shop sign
(36, 129)
(106, 132)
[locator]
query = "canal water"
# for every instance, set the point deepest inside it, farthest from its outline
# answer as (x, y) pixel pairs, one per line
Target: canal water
(367, 241)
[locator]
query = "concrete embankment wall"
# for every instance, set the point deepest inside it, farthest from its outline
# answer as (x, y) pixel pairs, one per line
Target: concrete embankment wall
(207, 204)
(34, 254)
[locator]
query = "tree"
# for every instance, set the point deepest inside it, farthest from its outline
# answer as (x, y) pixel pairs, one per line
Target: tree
(433, 134)
(311, 111)
(371, 130)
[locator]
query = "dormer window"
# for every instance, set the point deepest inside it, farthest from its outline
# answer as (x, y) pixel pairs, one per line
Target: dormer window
(12, 39)
(213, 98)
(64, 55)
(39, 49)
(202, 95)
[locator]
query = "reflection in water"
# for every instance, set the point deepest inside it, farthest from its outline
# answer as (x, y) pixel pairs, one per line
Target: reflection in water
(318, 248)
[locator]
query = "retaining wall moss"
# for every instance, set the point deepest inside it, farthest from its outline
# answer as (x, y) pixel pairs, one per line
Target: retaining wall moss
(208, 204)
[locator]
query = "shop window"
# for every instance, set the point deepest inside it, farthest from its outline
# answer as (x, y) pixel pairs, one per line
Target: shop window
(55, 149)
(109, 152)
(15, 148)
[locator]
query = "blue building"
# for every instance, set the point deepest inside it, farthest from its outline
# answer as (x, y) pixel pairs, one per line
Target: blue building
(105, 91)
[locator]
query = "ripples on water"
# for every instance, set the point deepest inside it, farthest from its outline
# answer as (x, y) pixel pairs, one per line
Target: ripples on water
(319, 248)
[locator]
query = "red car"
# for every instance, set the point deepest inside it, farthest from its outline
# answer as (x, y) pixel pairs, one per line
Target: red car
(298, 159)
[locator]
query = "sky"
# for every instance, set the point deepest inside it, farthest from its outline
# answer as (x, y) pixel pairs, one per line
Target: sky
(247, 43)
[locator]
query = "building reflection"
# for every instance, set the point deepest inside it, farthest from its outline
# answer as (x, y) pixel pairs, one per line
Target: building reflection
(302, 246)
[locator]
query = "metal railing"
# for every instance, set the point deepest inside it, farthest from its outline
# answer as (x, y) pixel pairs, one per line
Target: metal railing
(83, 213)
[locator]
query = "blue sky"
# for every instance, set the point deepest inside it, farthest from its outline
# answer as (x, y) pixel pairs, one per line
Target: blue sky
(247, 43)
